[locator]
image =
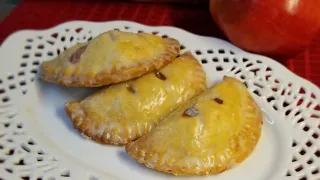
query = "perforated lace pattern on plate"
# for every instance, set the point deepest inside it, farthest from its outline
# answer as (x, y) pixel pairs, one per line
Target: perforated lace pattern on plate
(294, 98)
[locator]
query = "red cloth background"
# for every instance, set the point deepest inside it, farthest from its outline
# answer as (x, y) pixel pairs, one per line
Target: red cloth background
(38, 14)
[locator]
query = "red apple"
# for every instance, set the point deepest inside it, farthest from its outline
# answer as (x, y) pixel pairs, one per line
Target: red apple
(278, 28)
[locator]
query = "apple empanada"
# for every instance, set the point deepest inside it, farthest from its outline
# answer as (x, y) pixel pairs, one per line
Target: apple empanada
(125, 111)
(207, 135)
(111, 57)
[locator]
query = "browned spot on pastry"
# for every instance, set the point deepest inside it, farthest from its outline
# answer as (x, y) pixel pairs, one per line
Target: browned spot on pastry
(130, 88)
(161, 76)
(218, 100)
(75, 57)
(237, 146)
(190, 112)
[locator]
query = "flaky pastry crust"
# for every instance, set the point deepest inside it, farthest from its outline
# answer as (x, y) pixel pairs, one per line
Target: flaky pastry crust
(208, 135)
(126, 111)
(111, 57)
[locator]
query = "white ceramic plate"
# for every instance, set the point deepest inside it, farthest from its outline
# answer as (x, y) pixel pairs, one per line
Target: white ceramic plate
(37, 140)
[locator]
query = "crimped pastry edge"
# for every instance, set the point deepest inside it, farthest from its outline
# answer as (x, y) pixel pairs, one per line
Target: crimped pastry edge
(144, 157)
(77, 116)
(115, 76)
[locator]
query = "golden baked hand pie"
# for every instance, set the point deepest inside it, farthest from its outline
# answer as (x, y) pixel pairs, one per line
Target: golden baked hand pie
(125, 111)
(207, 135)
(111, 57)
